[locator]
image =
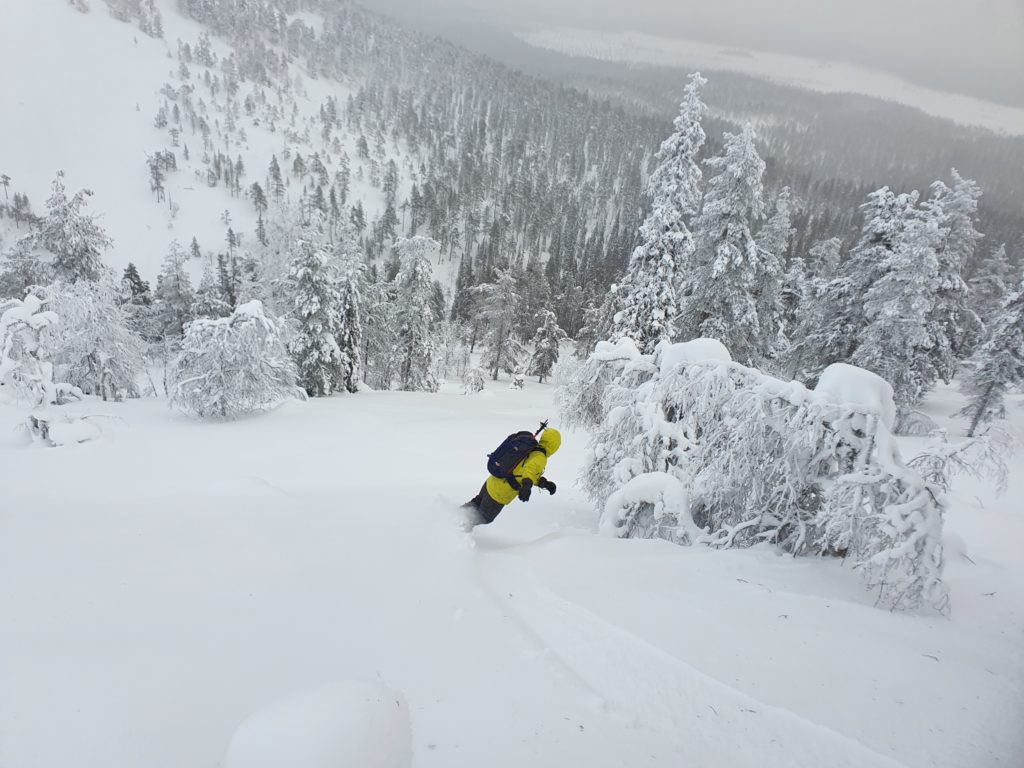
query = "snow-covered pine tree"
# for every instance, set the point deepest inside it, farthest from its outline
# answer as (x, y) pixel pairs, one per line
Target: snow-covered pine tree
(350, 332)
(774, 240)
(997, 366)
(732, 278)
(472, 381)
(794, 296)
(208, 300)
(836, 321)
(233, 366)
(988, 286)
(379, 349)
(134, 289)
(659, 266)
(172, 299)
(545, 346)
(462, 300)
(956, 330)
(536, 295)
(498, 307)
(897, 341)
(21, 267)
(414, 315)
(73, 237)
(317, 311)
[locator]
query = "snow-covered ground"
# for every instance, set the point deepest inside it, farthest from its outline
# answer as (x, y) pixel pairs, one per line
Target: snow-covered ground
(176, 589)
(813, 74)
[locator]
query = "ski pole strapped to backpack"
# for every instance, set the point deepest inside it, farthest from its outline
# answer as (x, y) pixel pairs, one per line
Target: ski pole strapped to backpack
(510, 454)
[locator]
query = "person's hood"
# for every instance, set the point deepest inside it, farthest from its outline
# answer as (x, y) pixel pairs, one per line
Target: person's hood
(550, 440)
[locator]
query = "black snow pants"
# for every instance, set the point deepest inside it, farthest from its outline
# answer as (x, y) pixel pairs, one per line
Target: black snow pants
(485, 505)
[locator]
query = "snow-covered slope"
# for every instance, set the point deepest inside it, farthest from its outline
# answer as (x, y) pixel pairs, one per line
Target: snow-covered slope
(816, 75)
(166, 584)
(86, 103)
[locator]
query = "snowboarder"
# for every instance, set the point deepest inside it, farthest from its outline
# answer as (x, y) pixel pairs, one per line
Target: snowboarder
(496, 492)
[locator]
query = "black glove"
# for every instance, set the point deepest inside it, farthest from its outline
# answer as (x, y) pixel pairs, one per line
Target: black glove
(547, 485)
(525, 486)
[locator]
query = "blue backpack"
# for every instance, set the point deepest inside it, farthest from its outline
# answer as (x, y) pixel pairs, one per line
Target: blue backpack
(510, 454)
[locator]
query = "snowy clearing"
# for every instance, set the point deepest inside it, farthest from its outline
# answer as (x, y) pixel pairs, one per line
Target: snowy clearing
(174, 580)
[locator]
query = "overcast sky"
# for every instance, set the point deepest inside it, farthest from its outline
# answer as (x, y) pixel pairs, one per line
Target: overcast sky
(969, 46)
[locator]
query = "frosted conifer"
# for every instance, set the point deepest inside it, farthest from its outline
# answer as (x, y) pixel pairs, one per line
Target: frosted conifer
(414, 315)
(998, 365)
(498, 307)
(647, 296)
(317, 304)
(172, 298)
(73, 237)
(732, 277)
(546, 342)
(897, 340)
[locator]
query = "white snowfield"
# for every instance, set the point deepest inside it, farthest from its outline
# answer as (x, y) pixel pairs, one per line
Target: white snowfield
(294, 590)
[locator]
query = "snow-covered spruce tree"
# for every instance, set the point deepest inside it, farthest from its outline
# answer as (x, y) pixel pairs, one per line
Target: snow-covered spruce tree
(498, 305)
(659, 266)
(774, 240)
(317, 312)
(92, 348)
(897, 341)
(25, 368)
(21, 268)
(836, 320)
(172, 298)
(545, 346)
(473, 381)
(956, 330)
(997, 366)
(795, 295)
(73, 237)
(535, 292)
(208, 300)
(285, 226)
(379, 333)
(989, 286)
(732, 278)
(414, 315)
(233, 366)
(350, 332)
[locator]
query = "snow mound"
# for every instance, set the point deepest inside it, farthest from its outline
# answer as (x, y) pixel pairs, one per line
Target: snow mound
(352, 724)
(623, 349)
(845, 384)
(694, 351)
(73, 431)
(663, 492)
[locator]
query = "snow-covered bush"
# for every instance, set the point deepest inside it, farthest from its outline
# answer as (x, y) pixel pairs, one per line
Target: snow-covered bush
(473, 381)
(692, 447)
(24, 365)
(233, 366)
(92, 347)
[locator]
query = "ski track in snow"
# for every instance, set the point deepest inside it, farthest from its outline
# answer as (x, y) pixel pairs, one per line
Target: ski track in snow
(651, 690)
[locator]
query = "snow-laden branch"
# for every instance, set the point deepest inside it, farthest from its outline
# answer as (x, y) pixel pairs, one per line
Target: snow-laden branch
(690, 446)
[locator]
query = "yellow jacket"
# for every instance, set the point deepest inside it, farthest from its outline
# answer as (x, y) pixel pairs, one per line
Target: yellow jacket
(532, 467)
